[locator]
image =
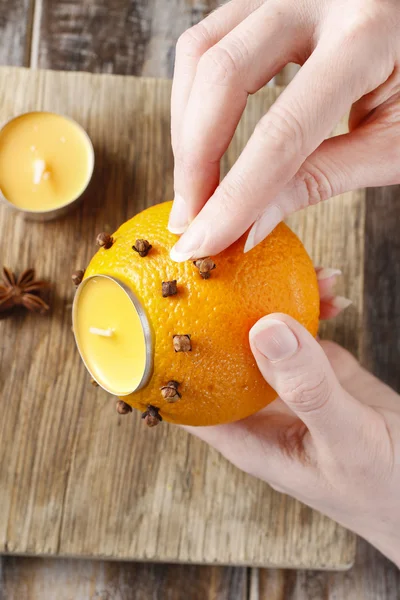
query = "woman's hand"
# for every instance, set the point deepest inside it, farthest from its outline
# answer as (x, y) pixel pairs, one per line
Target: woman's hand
(350, 52)
(332, 439)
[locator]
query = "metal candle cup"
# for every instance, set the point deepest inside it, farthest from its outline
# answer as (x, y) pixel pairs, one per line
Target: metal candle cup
(46, 164)
(113, 334)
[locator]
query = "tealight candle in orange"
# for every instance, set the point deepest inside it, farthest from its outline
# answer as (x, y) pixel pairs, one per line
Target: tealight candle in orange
(46, 163)
(112, 334)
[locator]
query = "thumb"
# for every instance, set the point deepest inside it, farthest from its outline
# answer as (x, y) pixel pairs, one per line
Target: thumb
(295, 365)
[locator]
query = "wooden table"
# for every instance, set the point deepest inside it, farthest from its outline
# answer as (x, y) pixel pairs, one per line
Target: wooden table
(138, 37)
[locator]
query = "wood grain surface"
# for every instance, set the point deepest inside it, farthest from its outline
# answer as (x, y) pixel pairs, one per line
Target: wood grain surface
(378, 579)
(74, 478)
(372, 578)
(126, 37)
(16, 21)
(49, 579)
(380, 351)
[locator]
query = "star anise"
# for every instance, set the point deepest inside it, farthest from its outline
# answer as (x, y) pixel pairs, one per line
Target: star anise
(22, 291)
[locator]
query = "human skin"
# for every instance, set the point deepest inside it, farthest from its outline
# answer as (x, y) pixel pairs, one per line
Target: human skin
(332, 439)
(350, 55)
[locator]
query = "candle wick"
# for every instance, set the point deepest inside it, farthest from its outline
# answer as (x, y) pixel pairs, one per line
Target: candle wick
(103, 332)
(39, 171)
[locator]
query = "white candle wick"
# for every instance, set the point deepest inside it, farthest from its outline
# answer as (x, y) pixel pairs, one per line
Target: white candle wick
(39, 171)
(103, 332)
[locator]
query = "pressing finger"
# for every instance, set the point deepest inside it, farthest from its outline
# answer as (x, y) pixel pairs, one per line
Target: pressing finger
(238, 65)
(301, 118)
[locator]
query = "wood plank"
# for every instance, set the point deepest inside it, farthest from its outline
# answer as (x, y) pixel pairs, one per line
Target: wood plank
(373, 577)
(45, 579)
(382, 293)
(71, 475)
(15, 31)
(15, 36)
(127, 37)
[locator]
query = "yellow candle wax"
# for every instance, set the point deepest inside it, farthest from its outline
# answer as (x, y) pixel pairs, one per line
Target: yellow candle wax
(112, 335)
(46, 161)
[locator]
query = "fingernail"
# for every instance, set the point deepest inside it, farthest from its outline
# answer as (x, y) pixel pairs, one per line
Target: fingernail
(340, 302)
(265, 223)
(178, 217)
(187, 246)
(274, 339)
(325, 273)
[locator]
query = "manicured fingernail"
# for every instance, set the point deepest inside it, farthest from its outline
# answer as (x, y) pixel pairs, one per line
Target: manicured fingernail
(265, 223)
(325, 273)
(274, 339)
(340, 302)
(178, 217)
(187, 246)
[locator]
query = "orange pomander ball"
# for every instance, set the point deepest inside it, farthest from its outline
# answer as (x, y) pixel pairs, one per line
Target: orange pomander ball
(212, 311)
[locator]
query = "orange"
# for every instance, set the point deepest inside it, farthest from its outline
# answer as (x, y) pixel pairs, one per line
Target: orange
(219, 379)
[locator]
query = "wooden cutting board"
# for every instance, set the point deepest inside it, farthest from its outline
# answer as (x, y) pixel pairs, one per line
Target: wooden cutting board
(75, 478)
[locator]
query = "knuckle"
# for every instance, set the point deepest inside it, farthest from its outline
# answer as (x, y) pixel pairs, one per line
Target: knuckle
(312, 185)
(281, 131)
(307, 395)
(218, 66)
(359, 22)
(193, 42)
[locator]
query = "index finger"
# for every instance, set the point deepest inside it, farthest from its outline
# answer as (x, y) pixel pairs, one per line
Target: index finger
(191, 46)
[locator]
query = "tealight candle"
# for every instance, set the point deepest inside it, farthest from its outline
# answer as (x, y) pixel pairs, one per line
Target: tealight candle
(46, 163)
(112, 334)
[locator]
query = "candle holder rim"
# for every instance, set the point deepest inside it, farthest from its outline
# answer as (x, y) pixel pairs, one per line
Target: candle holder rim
(148, 338)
